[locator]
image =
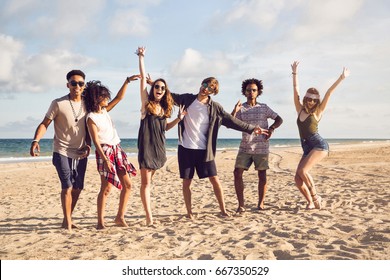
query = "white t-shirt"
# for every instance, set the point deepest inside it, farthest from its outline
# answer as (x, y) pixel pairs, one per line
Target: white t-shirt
(196, 124)
(106, 130)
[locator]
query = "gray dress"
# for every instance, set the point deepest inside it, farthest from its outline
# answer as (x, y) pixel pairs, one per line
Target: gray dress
(151, 142)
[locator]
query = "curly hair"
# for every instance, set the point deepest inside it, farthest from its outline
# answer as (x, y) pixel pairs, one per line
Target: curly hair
(166, 101)
(92, 93)
(258, 83)
(315, 107)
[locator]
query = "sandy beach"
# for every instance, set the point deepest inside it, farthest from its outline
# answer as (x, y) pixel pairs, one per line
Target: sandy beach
(354, 223)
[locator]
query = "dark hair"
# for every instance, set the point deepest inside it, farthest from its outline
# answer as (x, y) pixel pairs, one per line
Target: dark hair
(258, 83)
(166, 101)
(75, 72)
(92, 92)
(213, 83)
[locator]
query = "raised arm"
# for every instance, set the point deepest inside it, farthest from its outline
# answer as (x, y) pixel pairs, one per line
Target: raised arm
(121, 93)
(297, 103)
(329, 92)
(143, 89)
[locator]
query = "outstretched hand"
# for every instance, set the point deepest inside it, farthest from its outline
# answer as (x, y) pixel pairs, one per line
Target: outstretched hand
(294, 66)
(237, 107)
(345, 73)
(133, 77)
(140, 51)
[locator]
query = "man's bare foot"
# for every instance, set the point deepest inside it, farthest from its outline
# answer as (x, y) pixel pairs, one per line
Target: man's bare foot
(190, 216)
(100, 226)
(260, 206)
(120, 222)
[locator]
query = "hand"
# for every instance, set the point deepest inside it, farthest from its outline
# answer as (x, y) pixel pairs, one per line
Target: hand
(140, 51)
(149, 80)
(35, 149)
(107, 165)
(258, 131)
(345, 73)
(294, 66)
(133, 78)
(84, 151)
(270, 132)
(182, 112)
(237, 107)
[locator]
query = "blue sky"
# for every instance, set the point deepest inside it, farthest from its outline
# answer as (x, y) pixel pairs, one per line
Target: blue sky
(186, 41)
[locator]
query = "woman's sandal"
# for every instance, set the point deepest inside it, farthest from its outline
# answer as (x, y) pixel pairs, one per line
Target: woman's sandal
(317, 200)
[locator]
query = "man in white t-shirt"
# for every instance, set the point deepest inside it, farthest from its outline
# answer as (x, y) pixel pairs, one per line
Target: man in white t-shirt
(198, 133)
(71, 143)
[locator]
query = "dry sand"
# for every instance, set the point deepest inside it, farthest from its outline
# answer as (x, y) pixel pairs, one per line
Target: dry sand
(354, 224)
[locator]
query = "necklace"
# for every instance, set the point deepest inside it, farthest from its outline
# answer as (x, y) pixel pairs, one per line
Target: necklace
(76, 117)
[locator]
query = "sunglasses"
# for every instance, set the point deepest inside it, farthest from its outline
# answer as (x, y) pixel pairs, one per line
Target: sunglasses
(206, 86)
(158, 87)
(311, 100)
(251, 90)
(74, 83)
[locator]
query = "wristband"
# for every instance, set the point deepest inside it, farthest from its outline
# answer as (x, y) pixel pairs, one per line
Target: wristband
(34, 141)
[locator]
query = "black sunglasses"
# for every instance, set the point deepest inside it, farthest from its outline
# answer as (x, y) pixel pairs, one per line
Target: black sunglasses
(74, 83)
(158, 87)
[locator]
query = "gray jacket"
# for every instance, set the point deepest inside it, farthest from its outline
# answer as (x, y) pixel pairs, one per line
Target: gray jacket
(217, 117)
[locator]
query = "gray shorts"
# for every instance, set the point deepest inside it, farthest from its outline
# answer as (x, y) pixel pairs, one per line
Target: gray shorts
(244, 161)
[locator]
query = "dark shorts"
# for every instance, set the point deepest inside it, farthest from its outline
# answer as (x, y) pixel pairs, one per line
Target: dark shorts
(190, 159)
(314, 142)
(70, 171)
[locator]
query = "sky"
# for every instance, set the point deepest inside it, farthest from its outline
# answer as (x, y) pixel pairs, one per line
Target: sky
(187, 41)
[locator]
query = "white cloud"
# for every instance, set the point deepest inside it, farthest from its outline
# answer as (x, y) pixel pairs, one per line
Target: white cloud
(323, 18)
(193, 63)
(130, 22)
(10, 50)
(35, 73)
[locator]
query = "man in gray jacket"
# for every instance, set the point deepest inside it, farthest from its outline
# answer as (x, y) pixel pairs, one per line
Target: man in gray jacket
(198, 133)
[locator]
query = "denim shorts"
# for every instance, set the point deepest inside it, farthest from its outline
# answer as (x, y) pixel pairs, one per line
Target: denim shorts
(314, 142)
(70, 171)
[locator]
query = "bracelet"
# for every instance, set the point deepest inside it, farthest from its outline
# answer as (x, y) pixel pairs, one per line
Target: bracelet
(294, 73)
(128, 80)
(35, 140)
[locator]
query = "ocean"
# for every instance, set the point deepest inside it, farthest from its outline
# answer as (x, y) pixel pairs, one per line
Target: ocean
(18, 150)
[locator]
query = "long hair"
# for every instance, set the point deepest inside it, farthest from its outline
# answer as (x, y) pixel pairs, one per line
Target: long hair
(166, 101)
(315, 107)
(92, 93)
(257, 82)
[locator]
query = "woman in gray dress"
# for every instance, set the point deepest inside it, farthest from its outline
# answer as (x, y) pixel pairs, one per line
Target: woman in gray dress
(156, 107)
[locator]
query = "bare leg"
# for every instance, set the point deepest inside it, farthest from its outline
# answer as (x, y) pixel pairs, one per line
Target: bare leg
(187, 197)
(239, 187)
(124, 198)
(146, 185)
(66, 202)
(101, 201)
(262, 188)
(304, 180)
(214, 180)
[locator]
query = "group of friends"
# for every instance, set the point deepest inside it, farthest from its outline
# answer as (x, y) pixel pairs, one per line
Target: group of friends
(81, 117)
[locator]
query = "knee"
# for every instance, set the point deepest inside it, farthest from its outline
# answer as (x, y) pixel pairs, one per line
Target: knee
(301, 172)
